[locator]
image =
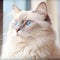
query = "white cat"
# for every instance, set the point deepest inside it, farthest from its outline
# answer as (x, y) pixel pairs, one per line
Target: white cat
(30, 36)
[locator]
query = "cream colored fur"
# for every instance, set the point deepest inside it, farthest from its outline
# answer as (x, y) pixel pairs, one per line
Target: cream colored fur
(32, 42)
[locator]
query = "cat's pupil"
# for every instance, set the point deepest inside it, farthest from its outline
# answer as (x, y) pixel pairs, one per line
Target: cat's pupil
(28, 22)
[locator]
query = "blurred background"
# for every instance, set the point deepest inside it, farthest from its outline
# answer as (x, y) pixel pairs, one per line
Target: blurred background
(53, 9)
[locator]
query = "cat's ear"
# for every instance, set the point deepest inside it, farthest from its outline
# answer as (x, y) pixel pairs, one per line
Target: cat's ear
(41, 8)
(16, 9)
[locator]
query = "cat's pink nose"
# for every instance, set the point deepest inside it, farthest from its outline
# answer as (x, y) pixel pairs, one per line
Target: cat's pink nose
(19, 28)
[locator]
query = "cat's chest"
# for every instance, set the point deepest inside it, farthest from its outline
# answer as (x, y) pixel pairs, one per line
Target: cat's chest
(26, 51)
(30, 48)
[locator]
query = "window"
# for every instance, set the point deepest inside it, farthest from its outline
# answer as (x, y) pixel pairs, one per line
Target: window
(7, 9)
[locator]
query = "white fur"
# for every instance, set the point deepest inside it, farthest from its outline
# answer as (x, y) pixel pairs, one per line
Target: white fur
(33, 42)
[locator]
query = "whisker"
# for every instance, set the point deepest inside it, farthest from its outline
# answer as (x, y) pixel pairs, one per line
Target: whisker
(3, 34)
(3, 37)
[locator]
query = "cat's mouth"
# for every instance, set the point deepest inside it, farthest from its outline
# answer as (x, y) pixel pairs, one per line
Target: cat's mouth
(21, 33)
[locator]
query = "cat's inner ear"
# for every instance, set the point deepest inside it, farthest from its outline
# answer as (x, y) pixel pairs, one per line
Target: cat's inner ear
(41, 8)
(16, 9)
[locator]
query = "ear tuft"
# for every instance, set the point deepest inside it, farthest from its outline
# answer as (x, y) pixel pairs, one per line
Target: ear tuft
(16, 9)
(41, 8)
(43, 5)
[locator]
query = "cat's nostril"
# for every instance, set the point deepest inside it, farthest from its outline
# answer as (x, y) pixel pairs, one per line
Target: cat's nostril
(17, 29)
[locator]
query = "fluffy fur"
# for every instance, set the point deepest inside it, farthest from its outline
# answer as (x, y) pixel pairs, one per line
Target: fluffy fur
(36, 41)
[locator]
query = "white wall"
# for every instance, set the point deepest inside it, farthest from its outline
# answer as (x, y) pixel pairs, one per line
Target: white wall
(53, 11)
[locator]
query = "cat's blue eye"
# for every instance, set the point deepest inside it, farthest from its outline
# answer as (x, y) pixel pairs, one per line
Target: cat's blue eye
(29, 22)
(16, 23)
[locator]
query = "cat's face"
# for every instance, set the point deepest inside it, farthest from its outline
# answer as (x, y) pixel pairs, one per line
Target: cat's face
(31, 24)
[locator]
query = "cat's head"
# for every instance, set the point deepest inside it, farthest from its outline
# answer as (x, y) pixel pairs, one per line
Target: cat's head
(31, 24)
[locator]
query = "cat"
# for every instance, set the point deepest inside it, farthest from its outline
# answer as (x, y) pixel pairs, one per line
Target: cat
(30, 35)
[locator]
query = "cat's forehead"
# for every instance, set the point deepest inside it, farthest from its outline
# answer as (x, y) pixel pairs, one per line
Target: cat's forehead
(29, 15)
